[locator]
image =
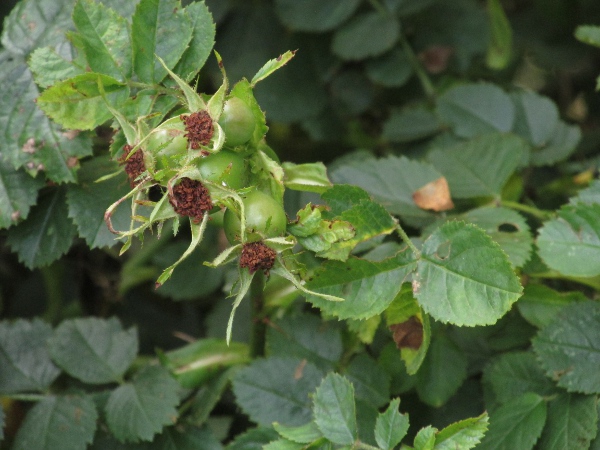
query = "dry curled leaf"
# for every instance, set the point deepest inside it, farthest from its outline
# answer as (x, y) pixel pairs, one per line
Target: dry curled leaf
(434, 196)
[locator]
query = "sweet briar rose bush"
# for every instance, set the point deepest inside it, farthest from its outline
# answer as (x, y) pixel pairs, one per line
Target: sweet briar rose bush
(417, 299)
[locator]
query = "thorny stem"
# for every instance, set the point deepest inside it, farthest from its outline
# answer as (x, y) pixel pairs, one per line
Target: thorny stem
(407, 240)
(259, 327)
(532, 210)
(424, 79)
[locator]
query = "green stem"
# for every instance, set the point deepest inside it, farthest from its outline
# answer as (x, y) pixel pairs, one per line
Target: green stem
(406, 239)
(259, 327)
(422, 75)
(27, 397)
(186, 405)
(593, 282)
(53, 283)
(532, 210)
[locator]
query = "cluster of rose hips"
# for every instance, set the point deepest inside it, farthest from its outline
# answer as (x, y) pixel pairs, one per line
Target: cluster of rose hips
(185, 138)
(208, 158)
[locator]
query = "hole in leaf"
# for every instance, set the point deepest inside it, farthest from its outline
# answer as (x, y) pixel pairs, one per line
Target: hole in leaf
(508, 228)
(155, 193)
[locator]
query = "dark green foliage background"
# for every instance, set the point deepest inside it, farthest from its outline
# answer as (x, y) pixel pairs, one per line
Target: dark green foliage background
(389, 102)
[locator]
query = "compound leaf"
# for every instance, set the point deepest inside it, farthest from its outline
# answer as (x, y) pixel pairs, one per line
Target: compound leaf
(569, 347)
(368, 287)
(516, 424)
(335, 410)
(277, 389)
(474, 109)
(391, 426)
(572, 422)
(152, 34)
(366, 35)
(67, 423)
(463, 277)
(141, 408)
(105, 39)
(25, 363)
(46, 234)
(93, 350)
(570, 243)
(480, 166)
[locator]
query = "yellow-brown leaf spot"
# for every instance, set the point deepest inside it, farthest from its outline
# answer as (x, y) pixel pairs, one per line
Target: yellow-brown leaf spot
(408, 334)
